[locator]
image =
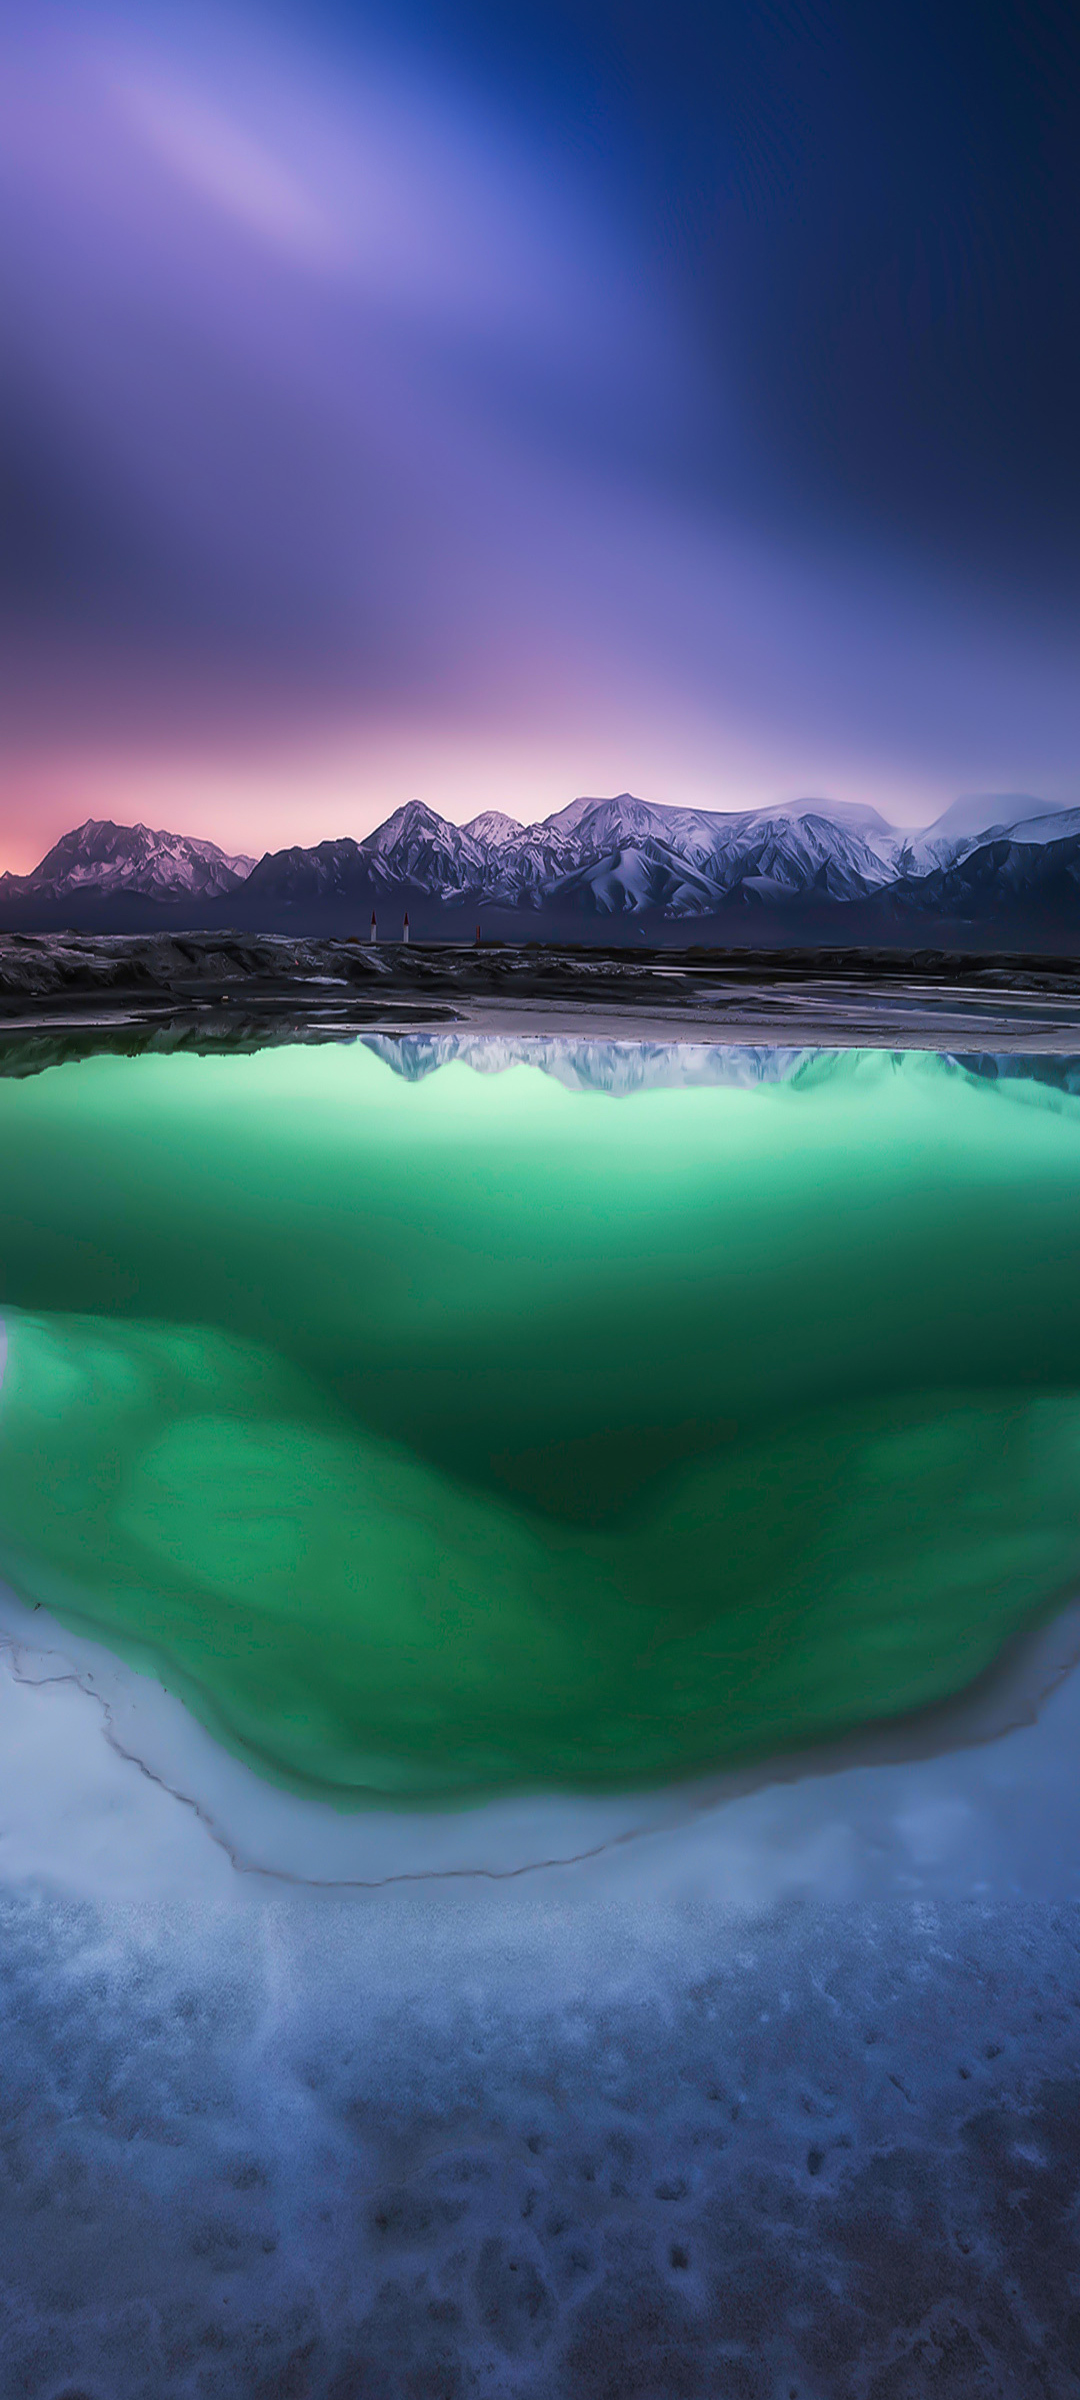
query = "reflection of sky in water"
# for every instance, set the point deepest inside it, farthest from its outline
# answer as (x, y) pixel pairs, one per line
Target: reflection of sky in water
(552, 2130)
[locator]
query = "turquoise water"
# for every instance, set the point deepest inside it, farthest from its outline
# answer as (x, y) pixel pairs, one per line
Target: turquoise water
(438, 1434)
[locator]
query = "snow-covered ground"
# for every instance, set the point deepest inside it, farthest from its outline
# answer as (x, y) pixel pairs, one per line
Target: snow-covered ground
(778, 2095)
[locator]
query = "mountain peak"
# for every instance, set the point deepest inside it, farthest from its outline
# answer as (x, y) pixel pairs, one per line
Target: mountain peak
(414, 820)
(102, 857)
(493, 827)
(567, 820)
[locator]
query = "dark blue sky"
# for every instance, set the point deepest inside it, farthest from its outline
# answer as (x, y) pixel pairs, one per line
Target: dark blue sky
(871, 216)
(584, 393)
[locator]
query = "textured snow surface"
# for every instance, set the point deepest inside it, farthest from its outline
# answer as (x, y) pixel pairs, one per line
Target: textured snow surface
(820, 2155)
(778, 2103)
(781, 2100)
(103, 857)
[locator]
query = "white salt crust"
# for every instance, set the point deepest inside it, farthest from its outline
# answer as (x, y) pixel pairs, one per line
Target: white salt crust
(89, 1743)
(766, 2091)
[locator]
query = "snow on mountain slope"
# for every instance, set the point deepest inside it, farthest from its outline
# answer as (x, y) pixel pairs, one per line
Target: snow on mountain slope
(634, 877)
(978, 818)
(565, 822)
(1062, 824)
(523, 872)
(601, 825)
(801, 853)
(493, 828)
(106, 858)
(697, 831)
(999, 883)
(601, 856)
(422, 848)
(627, 856)
(849, 816)
(975, 812)
(620, 857)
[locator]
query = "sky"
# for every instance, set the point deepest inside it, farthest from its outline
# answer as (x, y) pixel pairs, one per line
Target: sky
(490, 405)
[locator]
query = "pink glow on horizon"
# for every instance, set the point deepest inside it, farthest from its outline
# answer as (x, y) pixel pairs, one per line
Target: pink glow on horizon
(380, 428)
(256, 804)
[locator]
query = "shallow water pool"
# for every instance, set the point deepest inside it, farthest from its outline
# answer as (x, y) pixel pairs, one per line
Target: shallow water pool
(437, 1431)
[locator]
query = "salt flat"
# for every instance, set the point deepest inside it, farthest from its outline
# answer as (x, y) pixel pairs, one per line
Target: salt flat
(781, 2097)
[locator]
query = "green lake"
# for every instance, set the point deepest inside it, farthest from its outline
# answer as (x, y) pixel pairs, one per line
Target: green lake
(441, 1434)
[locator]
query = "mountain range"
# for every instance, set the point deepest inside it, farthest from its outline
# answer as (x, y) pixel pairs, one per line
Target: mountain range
(998, 869)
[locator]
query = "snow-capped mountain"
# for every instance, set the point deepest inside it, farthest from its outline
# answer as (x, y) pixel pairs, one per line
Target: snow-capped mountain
(853, 816)
(628, 857)
(415, 846)
(493, 828)
(802, 871)
(414, 853)
(1059, 825)
(1000, 883)
(104, 858)
(978, 818)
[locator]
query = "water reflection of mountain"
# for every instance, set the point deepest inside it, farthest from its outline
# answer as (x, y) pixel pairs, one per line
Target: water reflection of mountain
(623, 1067)
(620, 1067)
(1006, 1066)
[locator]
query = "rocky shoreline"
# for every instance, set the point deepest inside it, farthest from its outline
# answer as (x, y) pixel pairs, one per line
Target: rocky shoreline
(276, 987)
